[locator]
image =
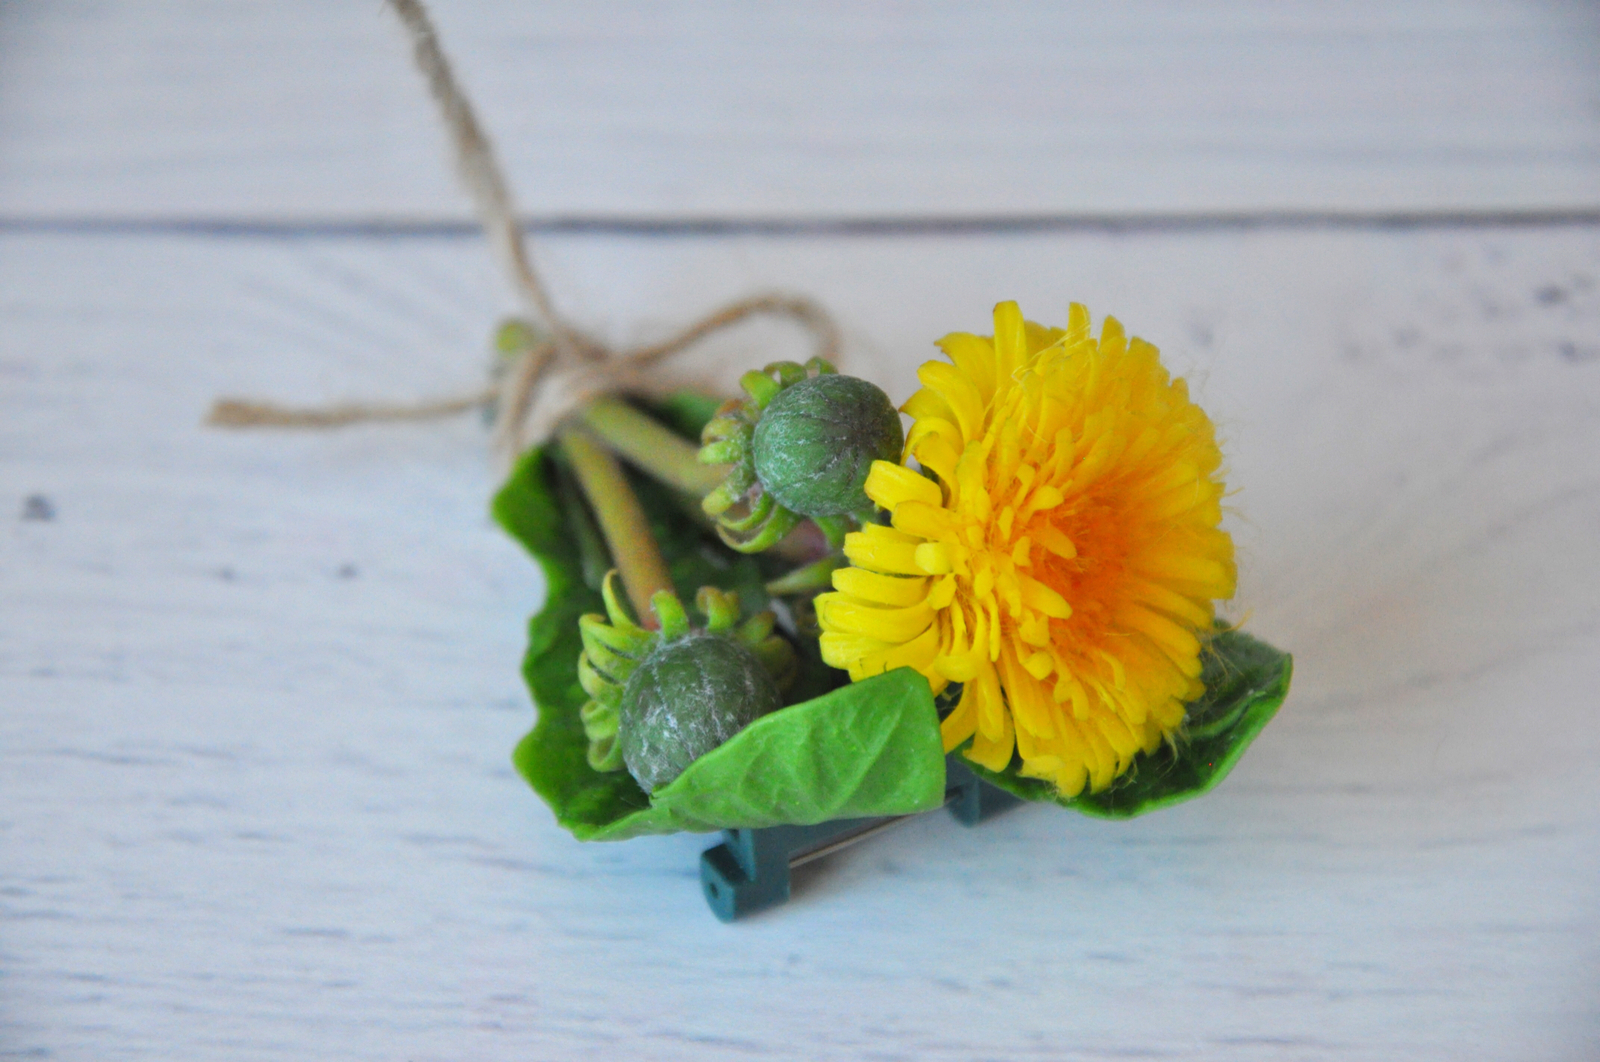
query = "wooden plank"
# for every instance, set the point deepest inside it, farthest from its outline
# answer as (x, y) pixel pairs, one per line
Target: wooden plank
(260, 690)
(310, 110)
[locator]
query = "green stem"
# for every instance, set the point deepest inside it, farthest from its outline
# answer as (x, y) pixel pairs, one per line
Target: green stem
(622, 520)
(652, 446)
(813, 577)
(673, 460)
(593, 557)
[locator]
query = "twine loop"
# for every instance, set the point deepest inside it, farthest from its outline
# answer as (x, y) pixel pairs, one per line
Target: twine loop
(563, 368)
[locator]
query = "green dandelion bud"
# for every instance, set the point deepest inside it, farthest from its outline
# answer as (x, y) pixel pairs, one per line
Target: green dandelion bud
(816, 441)
(686, 698)
(801, 446)
(662, 699)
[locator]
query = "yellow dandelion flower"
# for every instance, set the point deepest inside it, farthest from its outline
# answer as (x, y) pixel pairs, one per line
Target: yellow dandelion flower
(1062, 565)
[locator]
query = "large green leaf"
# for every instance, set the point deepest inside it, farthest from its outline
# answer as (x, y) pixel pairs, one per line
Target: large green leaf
(864, 750)
(1246, 680)
(868, 749)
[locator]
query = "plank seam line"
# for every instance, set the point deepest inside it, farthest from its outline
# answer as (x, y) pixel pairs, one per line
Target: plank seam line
(861, 226)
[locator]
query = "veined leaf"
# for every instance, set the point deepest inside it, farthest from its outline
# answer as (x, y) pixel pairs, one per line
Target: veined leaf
(871, 748)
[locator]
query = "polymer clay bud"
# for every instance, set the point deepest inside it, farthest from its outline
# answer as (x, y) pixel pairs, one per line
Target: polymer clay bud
(686, 698)
(800, 446)
(816, 441)
(662, 699)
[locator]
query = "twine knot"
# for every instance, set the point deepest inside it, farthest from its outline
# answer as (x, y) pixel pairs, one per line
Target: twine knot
(554, 368)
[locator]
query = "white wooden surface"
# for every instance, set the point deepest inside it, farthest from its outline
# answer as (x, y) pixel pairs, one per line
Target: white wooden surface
(306, 108)
(258, 692)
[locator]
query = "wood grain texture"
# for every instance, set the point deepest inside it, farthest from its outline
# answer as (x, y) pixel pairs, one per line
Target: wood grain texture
(260, 689)
(305, 109)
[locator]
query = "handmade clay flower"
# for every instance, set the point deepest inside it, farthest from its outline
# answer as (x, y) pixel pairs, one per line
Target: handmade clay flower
(1058, 556)
(662, 699)
(801, 446)
(1049, 567)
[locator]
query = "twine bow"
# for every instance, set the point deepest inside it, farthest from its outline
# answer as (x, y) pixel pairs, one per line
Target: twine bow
(562, 368)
